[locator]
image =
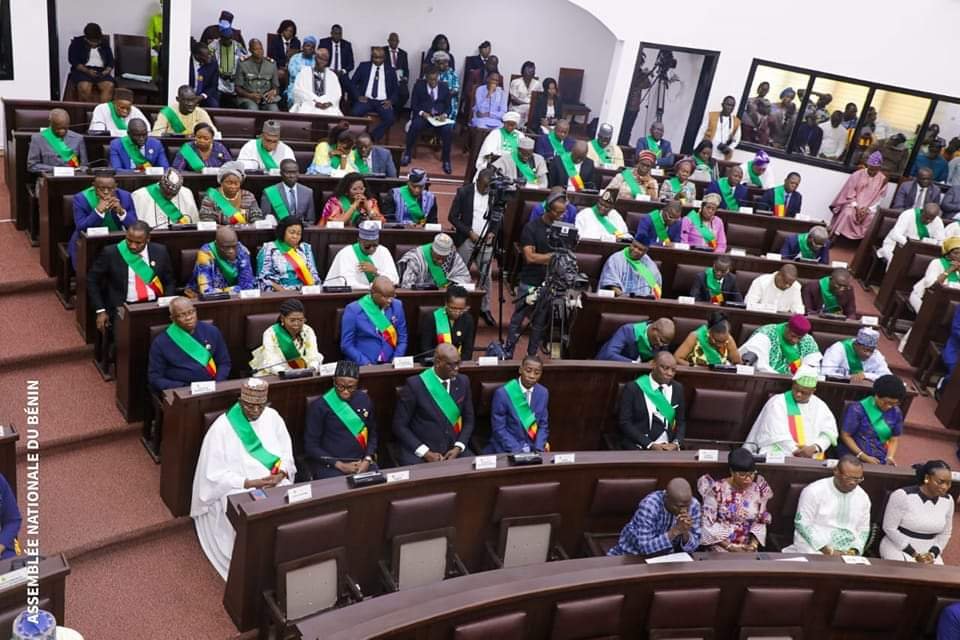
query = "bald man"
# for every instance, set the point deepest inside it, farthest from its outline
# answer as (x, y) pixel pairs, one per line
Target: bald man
(165, 203)
(913, 224)
(638, 341)
(373, 329)
(811, 245)
(56, 146)
(666, 521)
(652, 409)
(223, 266)
(574, 170)
(779, 291)
(137, 151)
(831, 294)
(187, 351)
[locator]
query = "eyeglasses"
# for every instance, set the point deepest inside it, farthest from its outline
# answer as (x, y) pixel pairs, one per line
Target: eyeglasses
(346, 387)
(744, 475)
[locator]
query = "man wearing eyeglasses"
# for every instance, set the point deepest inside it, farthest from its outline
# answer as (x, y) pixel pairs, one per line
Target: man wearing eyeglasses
(833, 515)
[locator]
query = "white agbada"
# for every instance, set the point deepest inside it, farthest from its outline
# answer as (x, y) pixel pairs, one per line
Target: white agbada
(249, 157)
(827, 516)
(764, 291)
(304, 98)
(101, 119)
(590, 228)
(493, 143)
(934, 271)
(346, 267)
(953, 229)
(153, 215)
(835, 363)
(771, 431)
(906, 229)
(224, 465)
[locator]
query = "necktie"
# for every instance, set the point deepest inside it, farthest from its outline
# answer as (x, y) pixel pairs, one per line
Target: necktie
(786, 201)
(376, 83)
(336, 56)
(293, 199)
(433, 93)
(921, 195)
(393, 58)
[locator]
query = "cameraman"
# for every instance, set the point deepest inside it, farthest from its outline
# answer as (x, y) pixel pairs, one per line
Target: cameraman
(468, 215)
(536, 258)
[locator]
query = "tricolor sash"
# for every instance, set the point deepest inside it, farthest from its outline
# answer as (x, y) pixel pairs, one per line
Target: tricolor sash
(174, 120)
(280, 208)
(803, 241)
(608, 226)
(443, 326)
(250, 439)
(600, 151)
(265, 157)
(192, 157)
(169, 209)
(710, 354)
(379, 319)
(138, 159)
(442, 398)
(659, 400)
(660, 227)
(654, 145)
(230, 212)
(518, 400)
(347, 416)
(726, 191)
(360, 163)
(288, 348)
(143, 272)
(118, 122)
(791, 352)
(362, 257)
(571, 168)
(436, 270)
(644, 273)
(875, 415)
(227, 270)
(714, 286)
(795, 420)
(60, 147)
(192, 347)
(953, 277)
(525, 170)
(411, 204)
(296, 262)
(754, 177)
(643, 342)
(922, 231)
(110, 220)
(853, 360)
(779, 202)
(632, 184)
(706, 232)
(830, 304)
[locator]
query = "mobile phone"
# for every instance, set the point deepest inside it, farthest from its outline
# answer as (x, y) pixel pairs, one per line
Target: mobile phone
(258, 494)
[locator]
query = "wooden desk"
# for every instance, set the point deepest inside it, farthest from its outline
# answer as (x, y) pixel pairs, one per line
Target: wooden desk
(230, 317)
(576, 425)
(883, 221)
(52, 576)
(741, 580)
(948, 409)
(252, 570)
(932, 323)
(905, 270)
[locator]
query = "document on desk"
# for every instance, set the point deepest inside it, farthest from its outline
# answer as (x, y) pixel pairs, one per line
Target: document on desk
(671, 557)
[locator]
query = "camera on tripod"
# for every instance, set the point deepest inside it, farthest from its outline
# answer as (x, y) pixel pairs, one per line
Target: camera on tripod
(562, 235)
(501, 190)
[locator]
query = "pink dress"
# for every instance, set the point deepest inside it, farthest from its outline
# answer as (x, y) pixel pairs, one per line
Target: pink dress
(691, 235)
(860, 190)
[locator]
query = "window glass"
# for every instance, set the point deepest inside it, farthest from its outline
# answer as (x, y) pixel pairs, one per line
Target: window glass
(890, 126)
(829, 118)
(940, 142)
(771, 111)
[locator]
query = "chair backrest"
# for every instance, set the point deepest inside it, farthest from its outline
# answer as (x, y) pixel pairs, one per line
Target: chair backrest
(254, 326)
(238, 126)
(610, 322)
(527, 539)
(591, 264)
(188, 259)
(742, 236)
(774, 607)
(419, 531)
(534, 127)
(570, 84)
(684, 609)
(886, 610)
(703, 418)
(510, 626)
(588, 618)
(132, 54)
(311, 584)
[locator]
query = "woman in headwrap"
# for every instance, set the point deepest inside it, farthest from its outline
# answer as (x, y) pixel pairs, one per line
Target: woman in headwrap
(942, 270)
(704, 228)
(918, 520)
(230, 203)
(734, 512)
(856, 204)
(288, 344)
(334, 156)
(872, 427)
(711, 343)
(203, 151)
(679, 186)
(632, 183)
(287, 264)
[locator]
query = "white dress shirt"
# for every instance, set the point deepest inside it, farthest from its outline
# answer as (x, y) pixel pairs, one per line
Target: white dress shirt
(249, 156)
(481, 202)
(95, 59)
(102, 120)
(834, 140)
(132, 281)
(763, 290)
(652, 411)
(335, 56)
(381, 93)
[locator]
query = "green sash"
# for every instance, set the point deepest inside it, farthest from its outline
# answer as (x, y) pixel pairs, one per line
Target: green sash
(729, 200)
(443, 399)
(169, 209)
(754, 177)
(265, 157)
(558, 148)
(141, 268)
(876, 419)
(436, 271)
(654, 146)
(922, 231)
(118, 122)
(656, 217)
(347, 416)
(714, 286)
(608, 226)
(228, 270)
(790, 352)
(276, 201)
(360, 164)
(677, 187)
(193, 348)
(362, 257)
(442, 323)
(643, 342)
(192, 157)
(110, 220)
(571, 168)
(174, 120)
(953, 277)
(708, 235)
(379, 319)
(221, 201)
(701, 164)
(600, 151)
(853, 360)
(525, 170)
(139, 160)
(643, 272)
(804, 243)
(411, 204)
(335, 162)
(631, 181)
(250, 439)
(711, 355)
(61, 148)
(657, 398)
(830, 304)
(522, 408)
(509, 141)
(288, 348)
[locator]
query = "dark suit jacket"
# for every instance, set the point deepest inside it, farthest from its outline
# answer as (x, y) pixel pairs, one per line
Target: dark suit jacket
(421, 100)
(507, 432)
(79, 52)
(813, 300)
(403, 63)
(362, 75)
(791, 249)
(327, 440)
(277, 52)
(210, 83)
(542, 146)
(473, 62)
(461, 213)
(107, 280)
(647, 233)
(636, 431)
(346, 52)
(740, 193)
(381, 161)
(305, 207)
(666, 158)
(701, 293)
(558, 175)
(419, 421)
(462, 332)
(793, 207)
(538, 110)
(907, 193)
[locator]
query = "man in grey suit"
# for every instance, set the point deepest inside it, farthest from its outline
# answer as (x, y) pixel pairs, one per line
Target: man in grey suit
(377, 159)
(43, 157)
(914, 194)
(296, 198)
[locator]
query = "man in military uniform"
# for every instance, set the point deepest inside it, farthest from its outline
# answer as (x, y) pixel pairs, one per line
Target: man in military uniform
(258, 86)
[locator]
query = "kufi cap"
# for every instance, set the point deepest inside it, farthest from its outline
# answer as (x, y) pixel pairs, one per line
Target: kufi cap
(511, 116)
(526, 143)
(172, 178)
(442, 244)
(867, 337)
(310, 40)
(761, 158)
(369, 230)
(608, 196)
(605, 130)
(806, 376)
(875, 159)
(799, 324)
(254, 390)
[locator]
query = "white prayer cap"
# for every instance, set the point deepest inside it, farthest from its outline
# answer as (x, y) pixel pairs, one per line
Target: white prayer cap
(806, 376)
(511, 116)
(526, 142)
(442, 244)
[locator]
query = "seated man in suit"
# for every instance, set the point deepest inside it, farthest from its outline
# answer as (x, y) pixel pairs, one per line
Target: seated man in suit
(223, 266)
(556, 142)
(376, 89)
(265, 152)
(652, 409)
(187, 351)
(412, 204)
(661, 228)
(913, 224)
(137, 151)
(428, 111)
(731, 189)
(450, 323)
(812, 245)
(102, 205)
(369, 158)
(56, 146)
(603, 151)
(574, 170)
(436, 264)
(716, 284)
(434, 415)
(165, 202)
(785, 200)
(340, 438)
(656, 143)
(830, 294)
(632, 272)
(204, 76)
(134, 270)
(289, 198)
(399, 62)
(374, 329)
(519, 412)
(638, 341)
(915, 193)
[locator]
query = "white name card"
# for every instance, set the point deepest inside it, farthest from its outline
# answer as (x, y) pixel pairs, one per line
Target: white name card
(397, 476)
(686, 300)
(485, 462)
(955, 476)
(96, 232)
(656, 171)
(707, 455)
(681, 245)
(869, 321)
(745, 370)
(249, 293)
(206, 225)
(154, 171)
(830, 463)
(642, 197)
(953, 285)
(607, 237)
(63, 172)
(164, 301)
(299, 493)
(328, 369)
(838, 264)
(311, 290)
(745, 209)
(432, 226)
(264, 224)
(775, 458)
(793, 559)
(606, 293)
(564, 458)
(738, 252)
(487, 361)
(671, 557)
(697, 203)
(469, 287)
(403, 362)
(773, 256)
(211, 171)
(801, 216)
(335, 224)
(930, 241)
(273, 172)
(207, 386)
(855, 560)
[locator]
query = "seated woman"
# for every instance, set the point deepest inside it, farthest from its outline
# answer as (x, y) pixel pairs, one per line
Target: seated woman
(872, 427)
(351, 203)
(703, 228)
(286, 264)
(943, 270)
(439, 44)
(633, 183)
(91, 63)
(734, 514)
(679, 186)
(288, 344)
(281, 49)
(201, 152)
(547, 108)
(705, 167)
(732, 191)
(522, 87)
(334, 156)
(447, 74)
(710, 344)
(918, 520)
(230, 203)
(489, 104)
